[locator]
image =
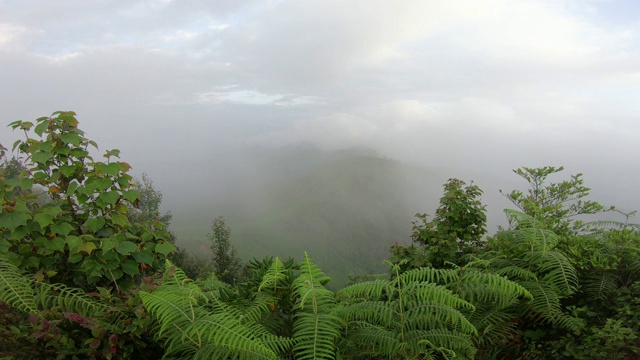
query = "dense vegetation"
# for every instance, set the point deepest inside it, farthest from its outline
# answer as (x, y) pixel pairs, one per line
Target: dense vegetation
(88, 269)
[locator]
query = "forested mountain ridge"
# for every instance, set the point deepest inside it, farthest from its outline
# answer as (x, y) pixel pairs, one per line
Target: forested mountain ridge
(347, 212)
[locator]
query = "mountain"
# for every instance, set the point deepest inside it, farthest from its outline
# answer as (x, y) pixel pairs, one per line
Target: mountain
(345, 209)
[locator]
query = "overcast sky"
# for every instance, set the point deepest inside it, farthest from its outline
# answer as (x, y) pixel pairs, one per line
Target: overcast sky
(484, 85)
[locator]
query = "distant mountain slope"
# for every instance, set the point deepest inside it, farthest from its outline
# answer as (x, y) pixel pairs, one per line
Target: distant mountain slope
(344, 208)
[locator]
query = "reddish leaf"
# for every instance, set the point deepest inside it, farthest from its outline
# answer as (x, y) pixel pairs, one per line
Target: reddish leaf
(75, 318)
(95, 343)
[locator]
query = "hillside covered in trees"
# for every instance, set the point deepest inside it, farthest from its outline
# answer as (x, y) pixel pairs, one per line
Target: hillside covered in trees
(89, 266)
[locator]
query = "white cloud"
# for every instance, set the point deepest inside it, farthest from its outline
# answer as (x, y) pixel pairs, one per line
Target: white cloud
(234, 95)
(11, 36)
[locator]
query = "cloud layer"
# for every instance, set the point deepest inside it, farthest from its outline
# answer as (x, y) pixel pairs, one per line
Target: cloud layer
(481, 85)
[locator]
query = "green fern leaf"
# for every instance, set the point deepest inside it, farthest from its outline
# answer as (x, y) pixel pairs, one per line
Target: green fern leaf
(15, 289)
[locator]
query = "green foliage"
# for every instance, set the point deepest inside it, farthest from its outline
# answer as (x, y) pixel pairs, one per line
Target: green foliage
(226, 262)
(426, 312)
(46, 320)
(316, 328)
(67, 242)
(457, 228)
(199, 324)
(557, 205)
(146, 208)
(82, 234)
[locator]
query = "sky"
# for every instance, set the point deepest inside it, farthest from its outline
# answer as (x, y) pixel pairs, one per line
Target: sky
(483, 86)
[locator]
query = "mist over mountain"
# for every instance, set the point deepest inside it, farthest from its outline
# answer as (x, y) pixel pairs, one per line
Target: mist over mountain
(346, 208)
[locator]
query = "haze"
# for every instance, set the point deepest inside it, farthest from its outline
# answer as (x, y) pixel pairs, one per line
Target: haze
(190, 91)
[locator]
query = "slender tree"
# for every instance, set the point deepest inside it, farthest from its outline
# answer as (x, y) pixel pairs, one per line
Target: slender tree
(226, 262)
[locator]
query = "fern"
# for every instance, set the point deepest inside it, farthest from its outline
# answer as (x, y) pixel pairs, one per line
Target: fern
(316, 329)
(275, 275)
(481, 287)
(15, 289)
(557, 270)
(407, 317)
(189, 328)
(602, 286)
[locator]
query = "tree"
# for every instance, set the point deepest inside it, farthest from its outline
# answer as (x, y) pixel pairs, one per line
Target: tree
(457, 228)
(226, 262)
(148, 206)
(70, 266)
(557, 205)
(146, 211)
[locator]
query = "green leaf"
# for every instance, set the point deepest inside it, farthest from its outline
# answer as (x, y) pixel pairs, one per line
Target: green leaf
(11, 220)
(120, 219)
(4, 246)
(56, 244)
(74, 258)
(146, 236)
(72, 188)
(62, 228)
(67, 170)
(71, 138)
(95, 224)
(116, 274)
(113, 169)
(130, 267)
(108, 198)
(143, 257)
(51, 209)
(41, 157)
(87, 247)
(165, 248)
(108, 244)
(41, 127)
(126, 248)
(114, 152)
(43, 219)
(131, 195)
(73, 242)
(103, 183)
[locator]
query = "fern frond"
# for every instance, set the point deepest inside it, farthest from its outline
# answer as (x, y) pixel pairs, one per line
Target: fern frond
(439, 339)
(532, 239)
(493, 324)
(15, 289)
(516, 273)
(278, 344)
(546, 304)
(545, 301)
(416, 293)
(316, 329)
(315, 336)
(428, 316)
(211, 284)
(222, 336)
(73, 300)
(377, 340)
(436, 276)
(173, 275)
(309, 287)
(172, 308)
(557, 270)
(373, 312)
(601, 286)
(275, 275)
(520, 218)
(612, 224)
(373, 290)
(486, 287)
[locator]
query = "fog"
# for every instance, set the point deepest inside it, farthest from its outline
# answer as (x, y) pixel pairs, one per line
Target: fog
(214, 100)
